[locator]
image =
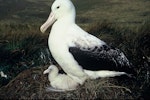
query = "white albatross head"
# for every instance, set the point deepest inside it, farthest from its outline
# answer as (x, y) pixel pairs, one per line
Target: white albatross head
(61, 9)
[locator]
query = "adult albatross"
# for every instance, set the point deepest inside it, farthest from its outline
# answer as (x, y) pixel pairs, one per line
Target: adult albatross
(80, 54)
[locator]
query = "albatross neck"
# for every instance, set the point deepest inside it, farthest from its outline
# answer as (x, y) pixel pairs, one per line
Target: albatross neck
(67, 19)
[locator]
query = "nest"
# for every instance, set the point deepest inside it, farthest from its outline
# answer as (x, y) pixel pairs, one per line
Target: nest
(31, 84)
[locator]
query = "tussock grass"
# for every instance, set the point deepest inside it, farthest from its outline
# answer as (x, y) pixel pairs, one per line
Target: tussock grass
(122, 12)
(125, 13)
(22, 46)
(31, 83)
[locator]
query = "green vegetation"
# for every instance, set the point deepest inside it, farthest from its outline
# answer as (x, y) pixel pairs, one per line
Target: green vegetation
(126, 13)
(123, 24)
(22, 47)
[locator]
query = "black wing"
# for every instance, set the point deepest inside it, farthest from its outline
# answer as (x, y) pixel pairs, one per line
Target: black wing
(101, 58)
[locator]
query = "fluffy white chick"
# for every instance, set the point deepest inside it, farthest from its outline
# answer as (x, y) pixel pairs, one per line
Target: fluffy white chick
(59, 82)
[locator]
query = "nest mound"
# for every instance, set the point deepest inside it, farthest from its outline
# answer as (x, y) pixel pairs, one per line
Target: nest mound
(31, 84)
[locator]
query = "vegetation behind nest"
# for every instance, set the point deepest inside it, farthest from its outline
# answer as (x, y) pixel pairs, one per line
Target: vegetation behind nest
(22, 51)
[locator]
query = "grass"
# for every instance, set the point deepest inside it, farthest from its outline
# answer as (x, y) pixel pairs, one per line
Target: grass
(119, 11)
(32, 52)
(121, 23)
(22, 46)
(126, 13)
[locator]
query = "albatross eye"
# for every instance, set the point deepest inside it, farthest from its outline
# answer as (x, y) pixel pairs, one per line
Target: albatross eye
(58, 7)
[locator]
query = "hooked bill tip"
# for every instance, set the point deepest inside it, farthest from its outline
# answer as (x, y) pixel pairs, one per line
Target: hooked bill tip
(41, 29)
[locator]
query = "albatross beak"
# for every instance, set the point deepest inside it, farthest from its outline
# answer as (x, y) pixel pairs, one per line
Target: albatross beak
(51, 19)
(46, 71)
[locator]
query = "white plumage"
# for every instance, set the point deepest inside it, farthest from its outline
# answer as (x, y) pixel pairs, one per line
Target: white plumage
(59, 82)
(80, 54)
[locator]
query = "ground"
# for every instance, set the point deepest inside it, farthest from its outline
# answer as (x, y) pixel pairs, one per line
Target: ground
(31, 84)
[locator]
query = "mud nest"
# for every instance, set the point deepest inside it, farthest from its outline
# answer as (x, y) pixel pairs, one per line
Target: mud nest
(31, 84)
